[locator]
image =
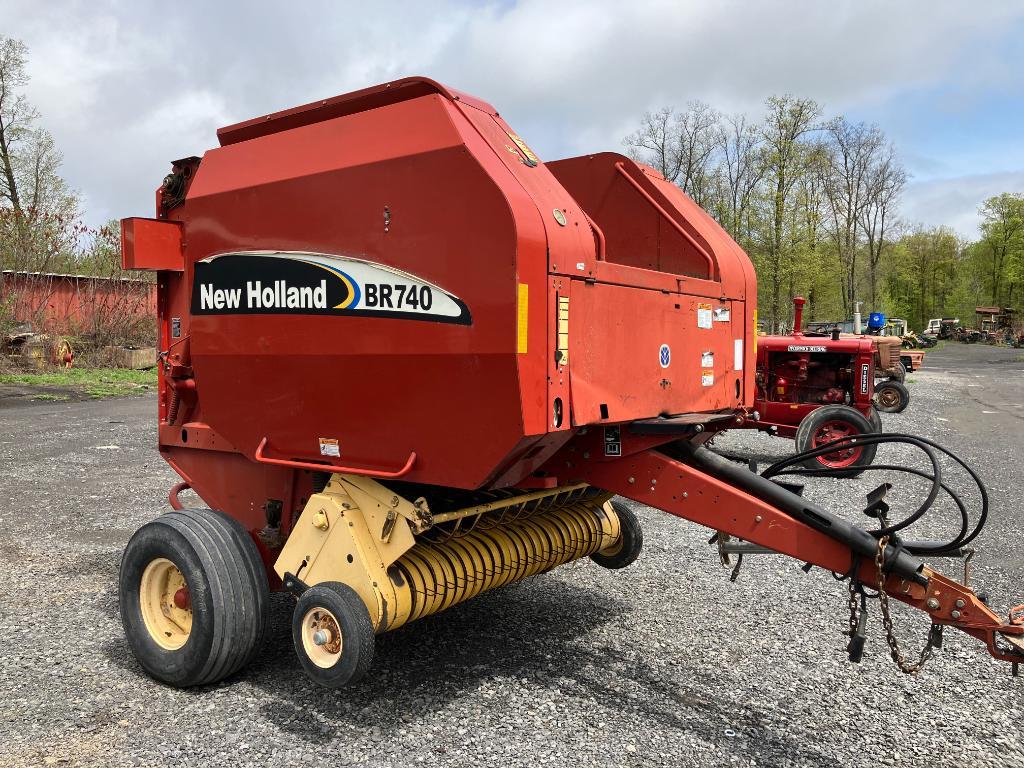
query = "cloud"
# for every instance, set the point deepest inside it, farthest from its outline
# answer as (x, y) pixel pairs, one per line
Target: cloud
(127, 87)
(954, 202)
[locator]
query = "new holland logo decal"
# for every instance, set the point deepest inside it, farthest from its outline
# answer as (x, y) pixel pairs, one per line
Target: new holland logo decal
(292, 283)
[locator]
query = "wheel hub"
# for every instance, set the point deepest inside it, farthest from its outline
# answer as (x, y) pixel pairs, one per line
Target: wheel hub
(843, 456)
(321, 637)
(889, 397)
(166, 604)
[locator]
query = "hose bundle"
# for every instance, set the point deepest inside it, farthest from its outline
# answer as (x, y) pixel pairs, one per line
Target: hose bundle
(932, 451)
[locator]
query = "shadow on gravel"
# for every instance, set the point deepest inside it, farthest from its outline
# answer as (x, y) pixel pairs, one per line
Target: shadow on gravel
(542, 634)
(519, 635)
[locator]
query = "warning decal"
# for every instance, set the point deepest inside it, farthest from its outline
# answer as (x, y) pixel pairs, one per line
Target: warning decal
(612, 441)
(704, 316)
(329, 447)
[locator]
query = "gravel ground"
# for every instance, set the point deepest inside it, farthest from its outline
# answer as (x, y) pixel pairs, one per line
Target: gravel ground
(665, 663)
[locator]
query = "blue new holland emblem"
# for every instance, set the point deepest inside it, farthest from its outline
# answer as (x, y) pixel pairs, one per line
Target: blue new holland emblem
(665, 355)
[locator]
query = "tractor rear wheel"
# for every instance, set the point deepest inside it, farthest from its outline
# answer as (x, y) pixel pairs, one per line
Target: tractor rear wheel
(832, 422)
(333, 634)
(892, 397)
(631, 541)
(194, 597)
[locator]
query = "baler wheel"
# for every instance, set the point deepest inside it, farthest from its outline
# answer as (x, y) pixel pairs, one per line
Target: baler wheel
(631, 541)
(194, 597)
(333, 634)
(832, 422)
(892, 397)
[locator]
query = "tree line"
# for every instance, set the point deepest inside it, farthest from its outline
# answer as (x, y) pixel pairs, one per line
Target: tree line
(814, 200)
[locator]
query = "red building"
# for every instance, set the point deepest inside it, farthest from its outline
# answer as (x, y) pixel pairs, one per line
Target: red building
(69, 304)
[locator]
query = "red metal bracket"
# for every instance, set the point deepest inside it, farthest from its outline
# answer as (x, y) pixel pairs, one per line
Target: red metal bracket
(334, 467)
(172, 495)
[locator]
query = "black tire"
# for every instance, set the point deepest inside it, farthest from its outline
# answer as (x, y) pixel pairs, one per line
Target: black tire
(338, 607)
(227, 595)
(856, 422)
(899, 373)
(891, 397)
(876, 419)
(631, 541)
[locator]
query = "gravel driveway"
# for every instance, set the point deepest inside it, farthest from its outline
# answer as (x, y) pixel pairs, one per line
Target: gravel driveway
(665, 663)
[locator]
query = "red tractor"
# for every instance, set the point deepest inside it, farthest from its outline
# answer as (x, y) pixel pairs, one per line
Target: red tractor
(816, 389)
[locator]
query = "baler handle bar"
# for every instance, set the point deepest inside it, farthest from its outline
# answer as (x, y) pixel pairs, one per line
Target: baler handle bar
(675, 225)
(334, 467)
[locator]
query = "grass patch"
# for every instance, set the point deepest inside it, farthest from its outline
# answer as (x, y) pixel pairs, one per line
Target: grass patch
(911, 381)
(94, 382)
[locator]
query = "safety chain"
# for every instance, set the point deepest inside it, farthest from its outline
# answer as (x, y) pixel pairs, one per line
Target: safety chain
(890, 636)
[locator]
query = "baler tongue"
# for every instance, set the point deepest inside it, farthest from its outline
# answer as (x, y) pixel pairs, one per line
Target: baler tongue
(692, 482)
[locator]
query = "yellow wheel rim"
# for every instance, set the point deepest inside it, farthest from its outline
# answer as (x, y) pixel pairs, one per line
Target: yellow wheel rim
(321, 637)
(166, 604)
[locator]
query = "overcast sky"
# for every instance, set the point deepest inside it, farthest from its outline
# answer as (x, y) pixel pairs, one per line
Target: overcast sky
(127, 86)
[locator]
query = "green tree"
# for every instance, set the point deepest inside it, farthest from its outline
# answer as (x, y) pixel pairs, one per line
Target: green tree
(1002, 245)
(785, 158)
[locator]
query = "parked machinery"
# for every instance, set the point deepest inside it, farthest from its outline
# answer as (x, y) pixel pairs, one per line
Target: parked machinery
(816, 389)
(408, 362)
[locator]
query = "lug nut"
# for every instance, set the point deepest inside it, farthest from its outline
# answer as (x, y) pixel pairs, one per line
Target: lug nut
(960, 603)
(932, 603)
(955, 614)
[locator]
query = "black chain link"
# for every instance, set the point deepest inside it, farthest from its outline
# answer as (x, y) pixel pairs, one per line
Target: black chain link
(890, 635)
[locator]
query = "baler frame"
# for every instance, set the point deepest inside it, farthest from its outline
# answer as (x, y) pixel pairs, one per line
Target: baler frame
(430, 452)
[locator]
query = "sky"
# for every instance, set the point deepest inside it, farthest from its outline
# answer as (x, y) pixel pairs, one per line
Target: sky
(126, 86)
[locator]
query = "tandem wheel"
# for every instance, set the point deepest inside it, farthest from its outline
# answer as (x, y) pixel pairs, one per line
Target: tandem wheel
(193, 596)
(333, 634)
(631, 541)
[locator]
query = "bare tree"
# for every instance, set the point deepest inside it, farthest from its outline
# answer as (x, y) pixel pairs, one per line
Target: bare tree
(742, 171)
(854, 149)
(16, 115)
(37, 210)
(681, 146)
(886, 178)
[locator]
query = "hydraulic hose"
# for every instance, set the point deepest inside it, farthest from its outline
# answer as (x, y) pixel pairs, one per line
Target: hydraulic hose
(929, 448)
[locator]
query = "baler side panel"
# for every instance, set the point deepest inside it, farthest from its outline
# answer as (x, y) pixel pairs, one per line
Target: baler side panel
(644, 249)
(637, 354)
(439, 389)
